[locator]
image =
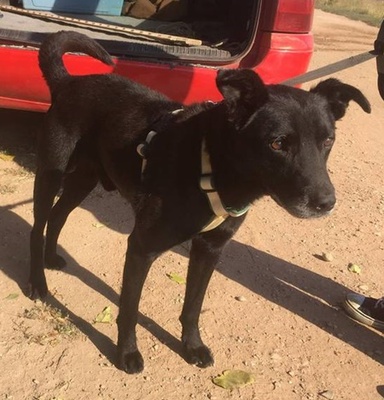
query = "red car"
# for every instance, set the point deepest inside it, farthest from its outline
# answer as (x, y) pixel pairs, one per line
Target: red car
(173, 46)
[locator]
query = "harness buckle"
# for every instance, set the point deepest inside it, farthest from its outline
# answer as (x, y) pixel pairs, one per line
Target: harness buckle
(142, 148)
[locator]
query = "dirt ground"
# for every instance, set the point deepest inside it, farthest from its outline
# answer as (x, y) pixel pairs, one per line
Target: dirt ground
(273, 305)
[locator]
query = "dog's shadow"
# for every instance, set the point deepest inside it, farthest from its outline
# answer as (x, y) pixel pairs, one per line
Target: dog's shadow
(14, 264)
(309, 295)
(303, 292)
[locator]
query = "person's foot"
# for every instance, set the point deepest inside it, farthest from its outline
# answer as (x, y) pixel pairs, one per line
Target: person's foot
(367, 310)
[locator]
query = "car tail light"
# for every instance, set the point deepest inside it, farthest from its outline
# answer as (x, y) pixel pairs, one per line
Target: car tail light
(290, 16)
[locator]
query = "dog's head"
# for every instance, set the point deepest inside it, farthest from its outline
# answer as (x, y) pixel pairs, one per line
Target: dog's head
(287, 135)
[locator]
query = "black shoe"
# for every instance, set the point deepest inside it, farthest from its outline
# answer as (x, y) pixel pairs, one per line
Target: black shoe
(367, 310)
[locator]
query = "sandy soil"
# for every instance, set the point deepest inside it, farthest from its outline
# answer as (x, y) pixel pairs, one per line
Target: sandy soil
(288, 329)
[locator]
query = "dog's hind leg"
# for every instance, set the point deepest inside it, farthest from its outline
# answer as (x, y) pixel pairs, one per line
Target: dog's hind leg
(55, 148)
(76, 187)
(47, 185)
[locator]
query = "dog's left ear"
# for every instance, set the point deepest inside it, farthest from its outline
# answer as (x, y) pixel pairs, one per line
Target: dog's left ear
(339, 95)
(244, 92)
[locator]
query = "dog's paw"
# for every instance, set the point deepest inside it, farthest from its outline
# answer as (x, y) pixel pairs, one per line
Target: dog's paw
(131, 363)
(199, 356)
(37, 290)
(55, 262)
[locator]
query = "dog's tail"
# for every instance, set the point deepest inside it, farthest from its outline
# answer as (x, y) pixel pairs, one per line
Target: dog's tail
(57, 44)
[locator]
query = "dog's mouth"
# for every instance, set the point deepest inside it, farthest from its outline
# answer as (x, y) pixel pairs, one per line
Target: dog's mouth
(304, 209)
(307, 213)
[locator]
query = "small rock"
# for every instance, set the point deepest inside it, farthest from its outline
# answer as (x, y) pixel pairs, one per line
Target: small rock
(240, 298)
(327, 394)
(327, 257)
(276, 357)
(363, 288)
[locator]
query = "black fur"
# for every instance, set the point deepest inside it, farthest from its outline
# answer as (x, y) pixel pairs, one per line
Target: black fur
(262, 140)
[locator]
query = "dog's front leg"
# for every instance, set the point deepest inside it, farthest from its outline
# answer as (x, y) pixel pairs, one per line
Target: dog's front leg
(136, 268)
(205, 252)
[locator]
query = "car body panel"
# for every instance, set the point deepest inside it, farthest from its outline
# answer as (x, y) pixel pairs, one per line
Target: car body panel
(275, 56)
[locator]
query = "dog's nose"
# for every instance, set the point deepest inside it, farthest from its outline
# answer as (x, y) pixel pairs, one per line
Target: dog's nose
(325, 203)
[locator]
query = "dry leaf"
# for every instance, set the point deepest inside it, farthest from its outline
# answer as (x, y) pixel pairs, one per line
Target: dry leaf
(6, 157)
(176, 278)
(105, 317)
(232, 379)
(356, 269)
(12, 296)
(98, 225)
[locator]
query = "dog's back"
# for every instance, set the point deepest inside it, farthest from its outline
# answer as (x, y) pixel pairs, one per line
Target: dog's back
(96, 100)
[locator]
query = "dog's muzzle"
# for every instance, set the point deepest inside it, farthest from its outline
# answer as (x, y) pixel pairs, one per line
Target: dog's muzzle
(305, 207)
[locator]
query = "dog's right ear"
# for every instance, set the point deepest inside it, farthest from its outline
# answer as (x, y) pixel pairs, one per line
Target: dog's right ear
(243, 91)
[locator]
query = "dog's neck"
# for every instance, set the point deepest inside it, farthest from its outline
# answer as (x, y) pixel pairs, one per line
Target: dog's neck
(225, 185)
(235, 175)
(221, 212)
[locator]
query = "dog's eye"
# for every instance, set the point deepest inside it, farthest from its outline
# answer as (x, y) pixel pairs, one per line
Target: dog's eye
(277, 144)
(328, 142)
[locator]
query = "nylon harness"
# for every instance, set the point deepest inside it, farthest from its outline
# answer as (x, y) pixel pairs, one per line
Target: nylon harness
(221, 213)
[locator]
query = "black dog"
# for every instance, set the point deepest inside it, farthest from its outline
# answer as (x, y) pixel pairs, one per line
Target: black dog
(194, 179)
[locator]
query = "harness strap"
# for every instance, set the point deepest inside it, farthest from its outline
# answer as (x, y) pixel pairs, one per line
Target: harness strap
(141, 149)
(207, 186)
(206, 183)
(221, 213)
